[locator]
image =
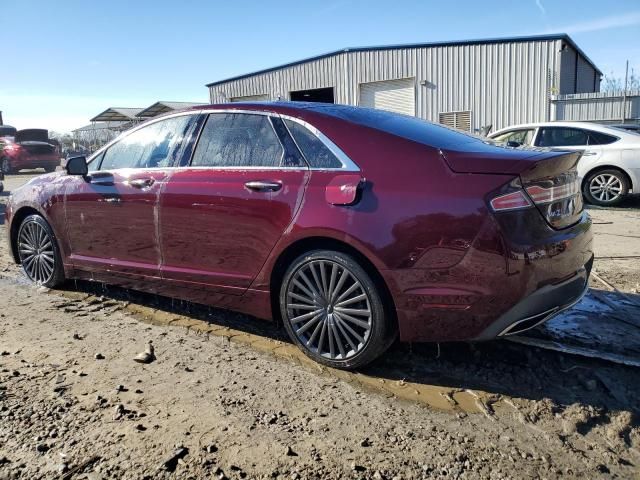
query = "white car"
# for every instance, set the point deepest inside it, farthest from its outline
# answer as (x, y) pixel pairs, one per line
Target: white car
(610, 164)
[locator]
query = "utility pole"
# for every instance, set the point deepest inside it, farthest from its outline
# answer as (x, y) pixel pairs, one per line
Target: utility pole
(624, 93)
(1, 122)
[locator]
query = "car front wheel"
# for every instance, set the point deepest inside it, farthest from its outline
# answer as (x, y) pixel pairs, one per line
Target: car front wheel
(38, 252)
(333, 310)
(606, 187)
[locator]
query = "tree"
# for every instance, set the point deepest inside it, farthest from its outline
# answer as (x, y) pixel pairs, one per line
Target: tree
(611, 83)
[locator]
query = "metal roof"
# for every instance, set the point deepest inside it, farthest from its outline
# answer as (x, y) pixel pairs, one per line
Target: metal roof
(530, 38)
(99, 126)
(164, 107)
(116, 114)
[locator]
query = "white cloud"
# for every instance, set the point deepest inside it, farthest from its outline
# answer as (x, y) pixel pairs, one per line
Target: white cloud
(605, 23)
(541, 7)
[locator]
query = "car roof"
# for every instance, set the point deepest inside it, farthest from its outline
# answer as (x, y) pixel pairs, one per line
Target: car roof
(404, 126)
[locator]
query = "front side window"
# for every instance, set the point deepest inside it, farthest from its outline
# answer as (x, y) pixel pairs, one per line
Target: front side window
(238, 140)
(562, 137)
(317, 153)
(521, 137)
(153, 146)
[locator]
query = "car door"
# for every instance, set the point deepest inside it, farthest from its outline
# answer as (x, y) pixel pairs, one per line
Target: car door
(571, 138)
(111, 215)
(221, 215)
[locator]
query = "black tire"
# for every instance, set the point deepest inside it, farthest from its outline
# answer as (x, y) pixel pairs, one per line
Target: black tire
(365, 336)
(596, 192)
(5, 166)
(44, 268)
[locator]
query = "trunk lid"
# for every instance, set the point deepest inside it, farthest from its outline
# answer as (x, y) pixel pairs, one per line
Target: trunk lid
(32, 135)
(7, 131)
(487, 157)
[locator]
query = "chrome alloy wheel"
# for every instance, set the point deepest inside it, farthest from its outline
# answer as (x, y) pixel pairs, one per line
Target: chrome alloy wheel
(328, 309)
(605, 187)
(35, 248)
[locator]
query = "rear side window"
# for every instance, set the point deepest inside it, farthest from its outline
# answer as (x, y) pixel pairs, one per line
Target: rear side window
(599, 138)
(152, 146)
(521, 137)
(316, 152)
(238, 140)
(562, 137)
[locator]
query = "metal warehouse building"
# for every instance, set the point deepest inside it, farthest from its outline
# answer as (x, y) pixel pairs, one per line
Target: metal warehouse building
(472, 85)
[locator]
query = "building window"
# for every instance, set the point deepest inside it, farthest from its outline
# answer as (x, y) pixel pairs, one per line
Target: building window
(459, 120)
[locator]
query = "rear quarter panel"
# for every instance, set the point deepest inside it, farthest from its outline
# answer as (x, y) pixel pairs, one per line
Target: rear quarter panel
(416, 220)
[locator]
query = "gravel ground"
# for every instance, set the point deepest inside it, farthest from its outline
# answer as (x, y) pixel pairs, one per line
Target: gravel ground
(74, 404)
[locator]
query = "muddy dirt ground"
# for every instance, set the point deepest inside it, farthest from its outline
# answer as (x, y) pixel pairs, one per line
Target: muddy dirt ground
(227, 397)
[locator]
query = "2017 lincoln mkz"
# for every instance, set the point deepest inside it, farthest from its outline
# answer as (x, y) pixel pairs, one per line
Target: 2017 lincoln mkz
(351, 226)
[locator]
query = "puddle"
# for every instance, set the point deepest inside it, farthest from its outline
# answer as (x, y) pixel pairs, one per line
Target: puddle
(603, 325)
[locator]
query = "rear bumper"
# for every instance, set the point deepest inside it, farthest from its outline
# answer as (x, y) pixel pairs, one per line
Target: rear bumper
(34, 161)
(523, 277)
(541, 306)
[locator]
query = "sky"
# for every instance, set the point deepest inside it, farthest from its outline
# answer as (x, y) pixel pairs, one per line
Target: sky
(65, 61)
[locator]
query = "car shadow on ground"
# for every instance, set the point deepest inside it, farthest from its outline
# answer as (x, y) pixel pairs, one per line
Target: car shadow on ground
(632, 201)
(498, 367)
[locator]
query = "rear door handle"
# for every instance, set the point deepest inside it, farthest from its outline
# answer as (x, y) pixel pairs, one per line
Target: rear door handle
(141, 182)
(263, 186)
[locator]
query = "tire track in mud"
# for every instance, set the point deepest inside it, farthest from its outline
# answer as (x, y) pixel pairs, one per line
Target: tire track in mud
(83, 303)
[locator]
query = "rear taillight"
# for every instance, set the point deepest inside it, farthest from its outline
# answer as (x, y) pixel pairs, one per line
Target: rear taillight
(558, 198)
(510, 201)
(543, 195)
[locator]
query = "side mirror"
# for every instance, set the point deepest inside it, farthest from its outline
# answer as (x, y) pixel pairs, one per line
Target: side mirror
(77, 166)
(513, 144)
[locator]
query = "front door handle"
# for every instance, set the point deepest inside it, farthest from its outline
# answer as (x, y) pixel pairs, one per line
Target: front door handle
(263, 186)
(141, 182)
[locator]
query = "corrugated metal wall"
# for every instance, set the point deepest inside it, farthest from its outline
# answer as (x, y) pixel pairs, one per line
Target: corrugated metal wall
(500, 83)
(568, 58)
(585, 76)
(596, 106)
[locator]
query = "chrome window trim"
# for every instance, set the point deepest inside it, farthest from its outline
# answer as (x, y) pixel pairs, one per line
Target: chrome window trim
(348, 165)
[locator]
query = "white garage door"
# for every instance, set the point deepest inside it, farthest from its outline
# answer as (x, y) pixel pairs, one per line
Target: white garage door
(251, 98)
(392, 95)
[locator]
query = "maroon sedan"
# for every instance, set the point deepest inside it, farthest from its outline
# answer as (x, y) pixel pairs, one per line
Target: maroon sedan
(351, 226)
(28, 149)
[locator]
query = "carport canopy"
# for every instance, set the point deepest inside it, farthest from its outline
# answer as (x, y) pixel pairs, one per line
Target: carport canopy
(159, 108)
(116, 114)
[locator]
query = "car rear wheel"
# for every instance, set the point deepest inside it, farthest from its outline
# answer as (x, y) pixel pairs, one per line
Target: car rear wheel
(333, 311)
(5, 165)
(38, 252)
(606, 187)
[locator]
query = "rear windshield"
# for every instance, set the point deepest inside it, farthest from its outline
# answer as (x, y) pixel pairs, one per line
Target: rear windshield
(411, 128)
